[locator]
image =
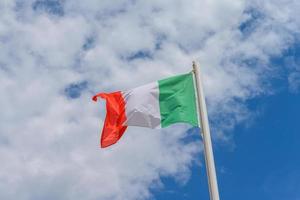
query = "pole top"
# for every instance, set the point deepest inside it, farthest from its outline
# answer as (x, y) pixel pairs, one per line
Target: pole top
(194, 66)
(194, 63)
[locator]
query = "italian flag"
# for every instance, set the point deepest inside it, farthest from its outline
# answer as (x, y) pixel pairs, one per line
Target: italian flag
(155, 105)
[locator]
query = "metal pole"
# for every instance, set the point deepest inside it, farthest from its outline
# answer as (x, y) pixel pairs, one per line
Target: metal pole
(208, 151)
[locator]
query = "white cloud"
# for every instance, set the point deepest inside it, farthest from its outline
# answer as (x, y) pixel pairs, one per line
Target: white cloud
(49, 143)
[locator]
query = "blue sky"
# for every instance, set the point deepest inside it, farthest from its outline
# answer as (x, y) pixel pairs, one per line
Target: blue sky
(56, 54)
(264, 163)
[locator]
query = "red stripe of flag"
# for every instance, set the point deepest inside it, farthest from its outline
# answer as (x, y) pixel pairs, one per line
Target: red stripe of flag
(113, 128)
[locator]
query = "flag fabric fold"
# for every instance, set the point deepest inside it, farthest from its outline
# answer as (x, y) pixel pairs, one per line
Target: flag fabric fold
(155, 105)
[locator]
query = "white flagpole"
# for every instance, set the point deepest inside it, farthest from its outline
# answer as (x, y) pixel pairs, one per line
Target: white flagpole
(208, 151)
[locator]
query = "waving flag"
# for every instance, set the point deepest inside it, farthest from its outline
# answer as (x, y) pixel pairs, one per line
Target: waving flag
(158, 105)
(155, 105)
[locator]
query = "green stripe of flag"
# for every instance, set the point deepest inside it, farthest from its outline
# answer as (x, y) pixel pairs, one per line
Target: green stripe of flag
(177, 100)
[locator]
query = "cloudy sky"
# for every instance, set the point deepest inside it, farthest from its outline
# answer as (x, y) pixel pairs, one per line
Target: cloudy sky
(56, 54)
